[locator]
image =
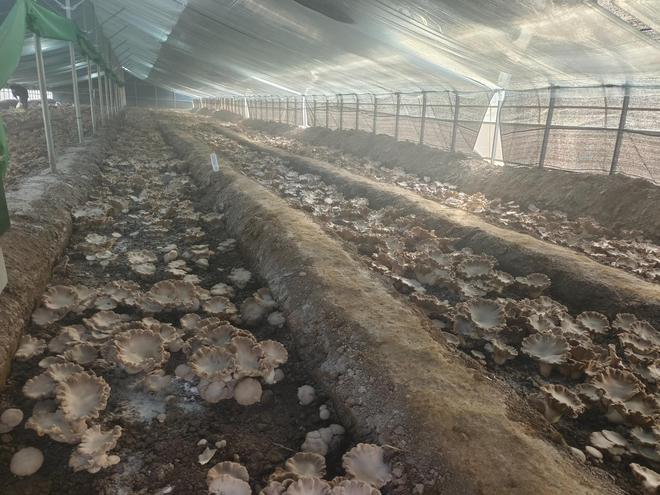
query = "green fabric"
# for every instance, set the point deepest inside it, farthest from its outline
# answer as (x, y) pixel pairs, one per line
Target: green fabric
(27, 16)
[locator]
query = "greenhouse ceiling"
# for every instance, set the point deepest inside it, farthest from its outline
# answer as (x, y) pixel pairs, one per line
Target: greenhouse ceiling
(230, 47)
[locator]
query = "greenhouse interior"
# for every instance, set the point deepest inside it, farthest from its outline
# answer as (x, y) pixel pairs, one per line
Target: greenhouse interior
(329, 247)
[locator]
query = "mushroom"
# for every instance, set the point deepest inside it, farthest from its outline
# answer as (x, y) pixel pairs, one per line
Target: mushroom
(323, 440)
(213, 363)
(500, 352)
(534, 283)
(61, 298)
(623, 321)
(240, 277)
(92, 453)
(10, 419)
(224, 290)
(306, 465)
(66, 337)
(645, 331)
(247, 392)
(309, 486)
(81, 353)
(249, 357)
(215, 391)
(39, 387)
(365, 462)
(227, 468)
(140, 350)
(228, 485)
(219, 305)
(29, 347)
(275, 353)
(476, 267)
(549, 350)
(174, 295)
(641, 409)
(609, 441)
(46, 419)
(484, 313)
(617, 385)
(276, 487)
(252, 312)
(559, 401)
(650, 479)
(43, 317)
(306, 395)
(26, 461)
(82, 396)
(593, 322)
(354, 487)
(61, 371)
(104, 321)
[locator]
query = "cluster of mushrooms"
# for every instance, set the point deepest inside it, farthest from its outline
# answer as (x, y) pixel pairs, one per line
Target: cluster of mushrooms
(223, 361)
(587, 365)
(628, 250)
(304, 473)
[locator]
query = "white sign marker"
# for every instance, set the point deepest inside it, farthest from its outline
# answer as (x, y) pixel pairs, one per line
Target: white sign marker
(214, 162)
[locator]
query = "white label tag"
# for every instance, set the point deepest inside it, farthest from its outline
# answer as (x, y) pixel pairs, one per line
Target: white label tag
(3, 272)
(214, 162)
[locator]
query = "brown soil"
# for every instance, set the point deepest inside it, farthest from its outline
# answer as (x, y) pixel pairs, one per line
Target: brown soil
(578, 282)
(456, 427)
(618, 202)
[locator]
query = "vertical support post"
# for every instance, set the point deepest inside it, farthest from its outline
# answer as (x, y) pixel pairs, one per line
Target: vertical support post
(45, 109)
(327, 113)
(454, 128)
(295, 111)
(156, 96)
(313, 111)
(74, 79)
(373, 125)
(357, 112)
(287, 109)
(99, 81)
(548, 125)
(496, 133)
(341, 112)
(622, 127)
(422, 125)
(397, 116)
(108, 99)
(90, 88)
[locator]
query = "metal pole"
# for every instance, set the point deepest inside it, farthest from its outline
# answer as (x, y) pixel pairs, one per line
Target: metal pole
(422, 126)
(357, 112)
(341, 112)
(619, 134)
(397, 116)
(287, 109)
(548, 124)
(74, 78)
(496, 134)
(45, 110)
(313, 111)
(327, 113)
(454, 129)
(106, 88)
(375, 114)
(90, 87)
(99, 81)
(295, 111)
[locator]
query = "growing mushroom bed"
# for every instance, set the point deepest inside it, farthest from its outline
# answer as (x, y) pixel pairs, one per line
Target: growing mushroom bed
(593, 378)
(157, 362)
(627, 250)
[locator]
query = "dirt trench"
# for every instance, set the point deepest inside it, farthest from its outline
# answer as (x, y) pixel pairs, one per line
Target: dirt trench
(459, 430)
(619, 202)
(579, 282)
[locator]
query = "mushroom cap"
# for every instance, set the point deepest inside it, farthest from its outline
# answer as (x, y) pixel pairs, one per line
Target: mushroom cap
(213, 363)
(10, 419)
(617, 385)
(26, 461)
(248, 391)
(306, 395)
(41, 386)
(476, 267)
(228, 485)
(650, 479)
(42, 317)
(219, 305)
(484, 313)
(82, 396)
(249, 357)
(67, 336)
(47, 420)
(103, 321)
(365, 462)
(309, 486)
(140, 350)
(232, 469)
(354, 487)
(644, 330)
(61, 298)
(240, 277)
(175, 294)
(276, 487)
(562, 400)
(623, 321)
(306, 464)
(82, 353)
(95, 441)
(29, 347)
(546, 348)
(537, 281)
(61, 371)
(594, 322)
(274, 352)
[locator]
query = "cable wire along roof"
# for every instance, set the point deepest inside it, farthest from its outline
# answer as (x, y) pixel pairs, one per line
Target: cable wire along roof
(213, 47)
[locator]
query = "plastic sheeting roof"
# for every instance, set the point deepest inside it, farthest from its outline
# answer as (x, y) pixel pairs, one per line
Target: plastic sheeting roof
(217, 47)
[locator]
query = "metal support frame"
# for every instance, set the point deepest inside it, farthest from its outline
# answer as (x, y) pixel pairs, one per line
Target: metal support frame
(422, 125)
(622, 128)
(90, 86)
(397, 116)
(341, 112)
(327, 113)
(45, 109)
(74, 79)
(313, 111)
(454, 128)
(496, 133)
(101, 84)
(287, 110)
(548, 125)
(295, 111)
(373, 125)
(357, 112)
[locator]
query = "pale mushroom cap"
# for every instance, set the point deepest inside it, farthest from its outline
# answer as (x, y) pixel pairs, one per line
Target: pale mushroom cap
(649, 478)
(47, 420)
(309, 486)
(140, 350)
(618, 385)
(240, 277)
(219, 305)
(10, 419)
(61, 297)
(365, 462)
(95, 441)
(26, 461)
(354, 487)
(248, 391)
(476, 267)
(82, 396)
(233, 469)
(274, 352)
(39, 387)
(306, 395)
(593, 322)
(81, 353)
(228, 485)
(306, 464)
(213, 363)
(550, 349)
(486, 314)
(248, 356)
(29, 347)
